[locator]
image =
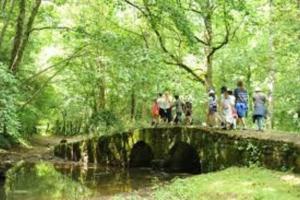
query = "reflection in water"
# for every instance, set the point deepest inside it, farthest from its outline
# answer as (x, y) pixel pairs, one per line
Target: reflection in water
(44, 181)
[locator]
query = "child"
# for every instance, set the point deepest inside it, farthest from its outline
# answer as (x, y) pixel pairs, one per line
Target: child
(227, 110)
(212, 109)
(234, 113)
(155, 113)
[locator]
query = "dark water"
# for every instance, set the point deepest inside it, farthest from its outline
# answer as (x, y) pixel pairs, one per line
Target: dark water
(45, 181)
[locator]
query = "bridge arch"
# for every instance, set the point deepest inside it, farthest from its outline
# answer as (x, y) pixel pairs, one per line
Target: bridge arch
(141, 155)
(183, 157)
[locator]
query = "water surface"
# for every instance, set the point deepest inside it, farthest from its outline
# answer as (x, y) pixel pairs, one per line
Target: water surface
(45, 181)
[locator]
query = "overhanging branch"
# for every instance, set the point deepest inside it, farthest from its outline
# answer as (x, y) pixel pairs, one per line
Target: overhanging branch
(49, 28)
(149, 16)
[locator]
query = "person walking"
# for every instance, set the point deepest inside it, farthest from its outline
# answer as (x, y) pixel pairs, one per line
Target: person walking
(212, 109)
(188, 110)
(178, 104)
(234, 113)
(155, 113)
(241, 103)
(227, 110)
(162, 107)
(168, 106)
(260, 110)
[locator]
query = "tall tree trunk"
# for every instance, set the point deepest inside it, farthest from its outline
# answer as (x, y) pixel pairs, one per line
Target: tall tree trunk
(209, 72)
(3, 5)
(133, 104)
(208, 48)
(248, 84)
(19, 33)
(21, 48)
(102, 98)
(102, 86)
(6, 22)
(272, 74)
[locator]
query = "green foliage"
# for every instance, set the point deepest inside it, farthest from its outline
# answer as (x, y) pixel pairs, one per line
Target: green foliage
(9, 123)
(105, 61)
(103, 119)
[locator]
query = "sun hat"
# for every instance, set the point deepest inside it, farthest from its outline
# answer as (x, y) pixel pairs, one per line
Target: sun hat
(257, 89)
(211, 91)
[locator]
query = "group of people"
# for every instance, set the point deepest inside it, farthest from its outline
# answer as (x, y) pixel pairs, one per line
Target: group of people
(234, 107)
(229, 112)
(169, 109)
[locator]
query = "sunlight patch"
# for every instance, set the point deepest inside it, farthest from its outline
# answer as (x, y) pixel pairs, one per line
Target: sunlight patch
(292, 179)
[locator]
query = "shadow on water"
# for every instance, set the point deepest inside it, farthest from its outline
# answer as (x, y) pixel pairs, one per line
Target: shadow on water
(45, 181)
(182, 158)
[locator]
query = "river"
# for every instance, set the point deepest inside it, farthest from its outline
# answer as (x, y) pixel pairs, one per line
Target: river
(48, 181)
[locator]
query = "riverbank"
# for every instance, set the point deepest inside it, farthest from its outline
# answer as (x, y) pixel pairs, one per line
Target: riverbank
(232, 183)
(38, 148)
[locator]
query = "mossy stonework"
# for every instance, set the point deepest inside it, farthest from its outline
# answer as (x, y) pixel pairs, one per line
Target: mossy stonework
(216, 149)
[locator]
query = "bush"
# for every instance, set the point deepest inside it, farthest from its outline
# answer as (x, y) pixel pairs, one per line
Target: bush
(9, 123)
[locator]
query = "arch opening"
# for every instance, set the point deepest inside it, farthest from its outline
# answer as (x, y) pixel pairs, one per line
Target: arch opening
(141, 155)
(183, 157)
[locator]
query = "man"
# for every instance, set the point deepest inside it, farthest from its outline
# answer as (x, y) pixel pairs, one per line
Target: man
(260, 110)
(241, 103)
(178, 109)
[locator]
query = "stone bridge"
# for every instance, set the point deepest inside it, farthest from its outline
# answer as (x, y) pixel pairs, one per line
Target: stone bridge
(190, 148)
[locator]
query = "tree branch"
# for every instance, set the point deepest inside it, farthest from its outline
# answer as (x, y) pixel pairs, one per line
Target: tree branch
(136, 6)
(201, 41)
(226, 37)
(149, 16)
(187, 69)
(49, 28)
(68, 59)
(41, 88)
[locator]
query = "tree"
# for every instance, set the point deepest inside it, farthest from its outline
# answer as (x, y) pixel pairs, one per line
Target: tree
(194, 20)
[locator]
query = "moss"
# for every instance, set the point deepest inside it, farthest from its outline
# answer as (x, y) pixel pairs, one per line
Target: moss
(216, 149)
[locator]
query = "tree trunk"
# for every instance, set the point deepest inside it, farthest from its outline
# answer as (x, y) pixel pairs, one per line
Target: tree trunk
(209, 47)
(248, 85)
(7, 20)
(3, 5)
(102, 98)
(209, 72)
(19, 34)
(133, 104)
(102, 86)
(272, 74)
(21, 48)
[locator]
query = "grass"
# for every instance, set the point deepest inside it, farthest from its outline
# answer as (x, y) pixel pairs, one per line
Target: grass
(233, 183)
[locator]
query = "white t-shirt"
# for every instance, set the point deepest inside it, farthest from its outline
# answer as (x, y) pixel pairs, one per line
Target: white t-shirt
(163, 103)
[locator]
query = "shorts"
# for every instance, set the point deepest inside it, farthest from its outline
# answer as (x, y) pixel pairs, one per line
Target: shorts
(162, 113)
(241, 109)
(188, 113)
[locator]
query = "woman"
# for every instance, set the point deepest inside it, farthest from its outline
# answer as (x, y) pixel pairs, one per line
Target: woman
(241, 103)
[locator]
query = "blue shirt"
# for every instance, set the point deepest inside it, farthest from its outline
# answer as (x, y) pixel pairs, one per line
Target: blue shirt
(241, 95)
